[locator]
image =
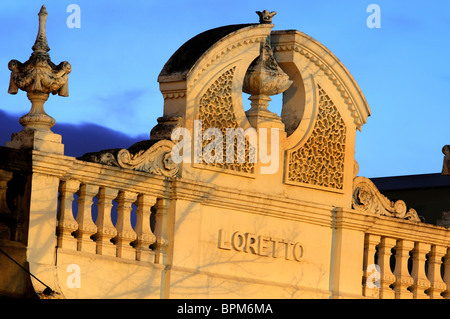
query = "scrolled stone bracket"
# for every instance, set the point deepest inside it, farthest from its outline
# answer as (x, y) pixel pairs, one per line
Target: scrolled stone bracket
(156, 159)
(367, 198)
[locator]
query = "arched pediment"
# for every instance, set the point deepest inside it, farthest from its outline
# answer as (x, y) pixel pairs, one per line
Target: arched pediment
(322, 109)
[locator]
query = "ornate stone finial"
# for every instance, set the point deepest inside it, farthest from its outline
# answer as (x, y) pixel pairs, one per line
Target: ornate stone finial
(264, 77)
(446, 165)
(41, 39)
(39, 77)
(265, 17)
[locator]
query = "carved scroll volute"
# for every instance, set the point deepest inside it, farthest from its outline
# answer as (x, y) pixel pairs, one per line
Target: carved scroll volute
(367, 198)
(39, 76)
(156, 159)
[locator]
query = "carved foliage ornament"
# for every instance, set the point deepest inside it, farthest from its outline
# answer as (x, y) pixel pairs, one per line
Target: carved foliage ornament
(39, 74)
(156, 159)
(367, 198)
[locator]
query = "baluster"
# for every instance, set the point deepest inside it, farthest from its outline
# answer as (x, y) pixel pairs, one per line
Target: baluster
(434, 272)
(5, 214)
(387, 277)
(162, 206)
(446, 293)
(421, 283)
(66, 223)
(125, 233)
(403, 279)
(145, 237)
(86, 226)
(370, 243)
(105, 228)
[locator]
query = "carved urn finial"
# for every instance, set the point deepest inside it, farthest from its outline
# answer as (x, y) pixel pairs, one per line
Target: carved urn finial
(39, 76)
(264, 77)
(265, 17)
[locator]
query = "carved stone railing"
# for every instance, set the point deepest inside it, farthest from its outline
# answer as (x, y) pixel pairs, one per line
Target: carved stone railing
(69, 211)
(108, 188)
(403, 257)
(407, 268)
(102, 237)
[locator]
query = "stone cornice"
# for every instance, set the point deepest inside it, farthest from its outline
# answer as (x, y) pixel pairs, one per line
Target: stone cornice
(387, 226)
(51, 164)
(410, 230)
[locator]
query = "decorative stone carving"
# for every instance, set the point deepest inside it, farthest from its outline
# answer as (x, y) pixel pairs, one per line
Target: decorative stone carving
(366, 197)
(444, 220)
(446, 165)
(39, 76)
(216, 111)
(154, 159)
(320, 161)
(264, 77)
(265, 17)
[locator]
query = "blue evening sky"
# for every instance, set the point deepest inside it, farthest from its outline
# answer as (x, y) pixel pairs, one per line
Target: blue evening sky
(121, 46)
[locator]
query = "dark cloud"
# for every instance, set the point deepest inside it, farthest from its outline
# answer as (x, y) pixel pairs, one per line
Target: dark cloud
(77, 139)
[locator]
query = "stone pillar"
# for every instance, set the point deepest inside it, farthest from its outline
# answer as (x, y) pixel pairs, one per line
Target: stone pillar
(348, 240)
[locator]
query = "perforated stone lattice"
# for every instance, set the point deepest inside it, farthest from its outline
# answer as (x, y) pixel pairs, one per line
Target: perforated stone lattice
(320, 161)
(216, 111)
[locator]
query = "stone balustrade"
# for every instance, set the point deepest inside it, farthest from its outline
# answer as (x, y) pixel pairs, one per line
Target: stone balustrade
(93, 230)
(407, 269)
(101, 216)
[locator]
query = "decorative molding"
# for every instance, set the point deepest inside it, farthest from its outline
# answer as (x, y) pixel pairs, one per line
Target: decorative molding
(174, 95)
(156, 159)
(322, 65)
(366, 197)
(220, 54)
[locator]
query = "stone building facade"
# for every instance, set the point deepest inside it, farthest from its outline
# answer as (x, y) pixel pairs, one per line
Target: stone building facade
(227, 203)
